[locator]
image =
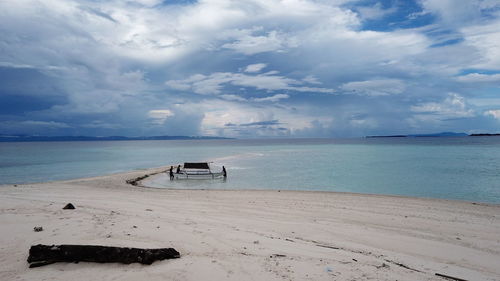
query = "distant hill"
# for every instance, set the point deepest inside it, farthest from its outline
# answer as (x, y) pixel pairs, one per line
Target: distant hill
(443, 134)
(27, 138)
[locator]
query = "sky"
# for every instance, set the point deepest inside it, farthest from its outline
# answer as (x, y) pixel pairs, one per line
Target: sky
(249, 68)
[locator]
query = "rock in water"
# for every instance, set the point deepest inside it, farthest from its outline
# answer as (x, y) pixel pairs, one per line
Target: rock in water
(69, 206)
(37, 228)
(40, 255)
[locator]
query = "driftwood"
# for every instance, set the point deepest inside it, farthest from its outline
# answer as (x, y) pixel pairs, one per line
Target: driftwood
(136, 181)
(450, 277)
(40, 255)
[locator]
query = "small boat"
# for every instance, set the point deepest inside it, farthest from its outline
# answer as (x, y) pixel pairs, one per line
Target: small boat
(200, 171)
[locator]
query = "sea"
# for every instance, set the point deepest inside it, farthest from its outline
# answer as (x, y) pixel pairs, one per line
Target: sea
(461, 168)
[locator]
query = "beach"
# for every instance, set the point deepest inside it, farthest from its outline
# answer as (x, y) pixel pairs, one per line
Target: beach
(248, 234)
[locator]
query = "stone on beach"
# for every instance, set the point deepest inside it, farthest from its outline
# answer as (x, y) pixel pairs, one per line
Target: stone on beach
(69, 206)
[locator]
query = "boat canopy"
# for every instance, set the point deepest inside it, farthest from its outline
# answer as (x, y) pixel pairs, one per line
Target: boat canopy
(201, 165)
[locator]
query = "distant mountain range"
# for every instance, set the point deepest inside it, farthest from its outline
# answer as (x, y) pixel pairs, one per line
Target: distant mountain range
(27, 138)
(443, 134)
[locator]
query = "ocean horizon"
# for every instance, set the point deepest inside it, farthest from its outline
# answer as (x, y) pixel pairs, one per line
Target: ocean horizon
(460, 168)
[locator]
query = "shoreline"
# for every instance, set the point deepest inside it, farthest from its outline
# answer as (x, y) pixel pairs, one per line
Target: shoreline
(248, 234)
(148, 172)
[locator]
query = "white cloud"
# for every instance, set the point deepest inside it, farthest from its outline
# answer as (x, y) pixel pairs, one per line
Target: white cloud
(232, 97)
(474, 21)
(364, 123)
(159, 116)
(14, 65)
(484, 102)
(52, 124)
(256, 67)
(380, 87)
(149, 3)
(453, 106)
(375, 12)
(102, 125)
(272, 41)
(495, 113)
(477, 78)
(218, 113)
(311, 79)
(485, 38)
(274, 98)
(458, 13)
(442, 115)
(214, 83)
(33, 124)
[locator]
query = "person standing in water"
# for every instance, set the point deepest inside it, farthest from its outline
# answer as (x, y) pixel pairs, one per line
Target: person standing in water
(178, 169)
(224, 173)
(171, 172)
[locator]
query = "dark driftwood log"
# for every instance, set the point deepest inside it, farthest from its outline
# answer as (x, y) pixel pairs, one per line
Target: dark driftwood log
(46, 254)
(450, 277)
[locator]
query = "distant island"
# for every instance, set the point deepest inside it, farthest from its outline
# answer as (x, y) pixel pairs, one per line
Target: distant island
(28, 138)
(443, 134)
(484, 135)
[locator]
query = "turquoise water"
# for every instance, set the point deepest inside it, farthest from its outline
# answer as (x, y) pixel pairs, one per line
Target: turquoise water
(466, 168)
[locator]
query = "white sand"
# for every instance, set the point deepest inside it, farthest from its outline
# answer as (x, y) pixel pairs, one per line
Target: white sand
(237, 235)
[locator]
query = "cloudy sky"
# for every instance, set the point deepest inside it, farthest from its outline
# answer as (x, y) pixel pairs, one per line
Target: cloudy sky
(249, 68)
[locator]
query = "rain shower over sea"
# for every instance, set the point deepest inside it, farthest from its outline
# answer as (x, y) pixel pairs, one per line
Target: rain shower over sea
(463, 168)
